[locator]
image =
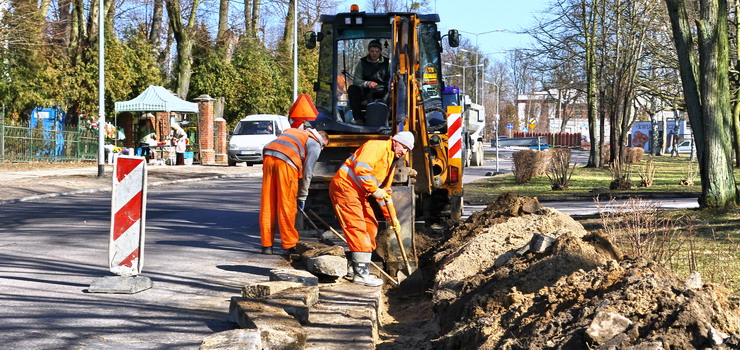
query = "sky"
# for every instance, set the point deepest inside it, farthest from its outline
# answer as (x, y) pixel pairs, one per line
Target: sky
(480, 16)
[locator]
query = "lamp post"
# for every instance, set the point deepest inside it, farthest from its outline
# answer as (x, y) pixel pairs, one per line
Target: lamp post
(477, 54)
(295, 50)
(445, 77)
(101, 91)
(497, 116)
(463, 71)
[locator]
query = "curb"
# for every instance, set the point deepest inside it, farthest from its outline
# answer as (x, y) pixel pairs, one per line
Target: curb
(108, 189)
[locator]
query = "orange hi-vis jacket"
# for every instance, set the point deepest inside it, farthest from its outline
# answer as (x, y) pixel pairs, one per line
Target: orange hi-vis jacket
(292, 143)
(370, 167)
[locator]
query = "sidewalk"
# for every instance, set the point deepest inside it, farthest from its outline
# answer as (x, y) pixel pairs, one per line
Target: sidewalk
(54, 179)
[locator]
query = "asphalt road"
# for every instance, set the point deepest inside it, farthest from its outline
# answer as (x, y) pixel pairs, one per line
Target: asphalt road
(202, 242)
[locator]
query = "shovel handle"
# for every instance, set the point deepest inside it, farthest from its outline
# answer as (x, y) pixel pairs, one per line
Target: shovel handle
(345, 241)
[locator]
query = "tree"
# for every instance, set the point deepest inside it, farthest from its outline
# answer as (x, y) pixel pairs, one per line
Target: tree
(705, 84)
(183, 64)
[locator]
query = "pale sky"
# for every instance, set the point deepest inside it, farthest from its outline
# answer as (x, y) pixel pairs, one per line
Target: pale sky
(479, 16)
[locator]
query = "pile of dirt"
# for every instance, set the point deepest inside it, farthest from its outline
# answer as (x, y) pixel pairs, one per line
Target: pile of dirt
(494, 284)
(492, 290)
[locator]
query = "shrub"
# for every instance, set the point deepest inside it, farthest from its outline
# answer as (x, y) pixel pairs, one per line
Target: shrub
(530, 163)
(560, 171)
(648, 172)
(634, 155)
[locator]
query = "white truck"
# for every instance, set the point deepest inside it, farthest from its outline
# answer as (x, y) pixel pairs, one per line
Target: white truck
(474, 118)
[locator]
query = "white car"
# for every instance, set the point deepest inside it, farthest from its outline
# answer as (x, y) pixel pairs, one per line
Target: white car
(683, 147)
(251, 135)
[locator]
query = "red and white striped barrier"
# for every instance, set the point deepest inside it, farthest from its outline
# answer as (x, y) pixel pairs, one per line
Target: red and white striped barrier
(454, 133)
(128, 216)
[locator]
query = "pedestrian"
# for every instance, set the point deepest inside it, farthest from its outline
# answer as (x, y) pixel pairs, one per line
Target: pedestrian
(146, 134)
(179, 139)
(286, 175)
(368, 172)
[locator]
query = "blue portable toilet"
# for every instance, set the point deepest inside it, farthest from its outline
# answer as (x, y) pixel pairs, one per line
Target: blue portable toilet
(52, 122)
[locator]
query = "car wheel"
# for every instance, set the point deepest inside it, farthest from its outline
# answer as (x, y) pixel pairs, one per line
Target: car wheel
(232, 162)
(250, 163)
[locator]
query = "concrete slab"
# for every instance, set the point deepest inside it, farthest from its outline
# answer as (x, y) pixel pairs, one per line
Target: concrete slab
(346, 317)
(278, 330)
(261, 290)
(120, 284)
(328, 265)
(235, 339)
(294, 275)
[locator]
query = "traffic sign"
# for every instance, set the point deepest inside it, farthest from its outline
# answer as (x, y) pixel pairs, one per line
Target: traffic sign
(510, 126)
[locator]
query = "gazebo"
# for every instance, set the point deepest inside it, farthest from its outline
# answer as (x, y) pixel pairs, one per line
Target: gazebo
(159, 101)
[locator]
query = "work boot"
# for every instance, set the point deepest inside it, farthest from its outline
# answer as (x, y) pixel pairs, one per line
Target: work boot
(361, 270)
(288, 252)
(267, 250)
(350, 271)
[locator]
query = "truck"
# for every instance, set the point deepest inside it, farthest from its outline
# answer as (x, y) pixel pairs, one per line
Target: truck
(474, 124)
(427, 184)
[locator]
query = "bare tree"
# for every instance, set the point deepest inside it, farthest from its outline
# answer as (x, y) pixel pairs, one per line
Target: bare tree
(182, 34)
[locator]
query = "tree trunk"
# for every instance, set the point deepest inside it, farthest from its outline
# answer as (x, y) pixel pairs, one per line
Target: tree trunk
(594, 155)
(65, 22)
(92, 23)
(707, 99)
(248, 17)
(288, 32)
(223, 19)
(714, 85)
(184, 62)
(736, 108)
(255, 24)
(155, 32)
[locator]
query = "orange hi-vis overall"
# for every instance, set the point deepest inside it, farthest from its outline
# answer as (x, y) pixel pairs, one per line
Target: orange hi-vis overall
(361, 174)
(280, 187)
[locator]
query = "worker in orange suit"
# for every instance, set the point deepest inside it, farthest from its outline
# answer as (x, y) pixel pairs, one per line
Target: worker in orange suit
(286, 174)
(367, 173)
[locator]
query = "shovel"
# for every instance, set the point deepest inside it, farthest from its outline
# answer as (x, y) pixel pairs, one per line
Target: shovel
(393, 219)
(319, 234)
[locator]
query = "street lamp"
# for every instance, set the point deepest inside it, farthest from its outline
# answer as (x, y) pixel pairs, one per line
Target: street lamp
(463, 71)
(477, 56)
(497, 117)
(445, 77)
(101, 90)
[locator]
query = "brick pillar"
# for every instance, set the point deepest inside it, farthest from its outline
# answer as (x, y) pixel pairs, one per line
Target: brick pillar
(205, 129)
(221, 139)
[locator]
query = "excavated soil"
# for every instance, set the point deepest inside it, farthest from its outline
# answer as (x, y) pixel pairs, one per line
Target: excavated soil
(486, 290)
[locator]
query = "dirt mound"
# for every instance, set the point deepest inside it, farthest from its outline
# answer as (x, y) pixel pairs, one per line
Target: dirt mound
(494, 291)
(477, 243)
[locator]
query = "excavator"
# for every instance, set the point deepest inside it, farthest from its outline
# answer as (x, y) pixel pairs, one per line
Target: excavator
(427, 185)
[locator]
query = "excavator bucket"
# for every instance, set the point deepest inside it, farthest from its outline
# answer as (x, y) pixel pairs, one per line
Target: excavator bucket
(388, 248)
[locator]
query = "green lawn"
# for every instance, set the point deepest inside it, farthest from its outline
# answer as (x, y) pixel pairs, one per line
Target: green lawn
(669, 171)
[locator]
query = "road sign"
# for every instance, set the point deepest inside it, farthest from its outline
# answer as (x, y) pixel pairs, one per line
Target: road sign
(128, 216)
(510, 126)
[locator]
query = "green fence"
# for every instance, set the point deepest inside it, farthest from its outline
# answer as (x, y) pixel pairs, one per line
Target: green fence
(23, 144)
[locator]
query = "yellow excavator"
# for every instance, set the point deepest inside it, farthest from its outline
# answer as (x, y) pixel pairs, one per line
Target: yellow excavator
(427, 186)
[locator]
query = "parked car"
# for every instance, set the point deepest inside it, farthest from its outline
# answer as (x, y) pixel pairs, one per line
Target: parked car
(683, 146)
(251, 135)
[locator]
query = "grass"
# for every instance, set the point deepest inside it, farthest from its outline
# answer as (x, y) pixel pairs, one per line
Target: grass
(586, 181)
(707, 242)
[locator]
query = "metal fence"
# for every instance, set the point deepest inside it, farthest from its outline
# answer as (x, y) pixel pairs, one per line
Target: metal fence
(24, 144)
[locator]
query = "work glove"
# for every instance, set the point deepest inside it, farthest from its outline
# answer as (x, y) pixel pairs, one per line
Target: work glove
(379, 193)
(302, 205)
(396, 225)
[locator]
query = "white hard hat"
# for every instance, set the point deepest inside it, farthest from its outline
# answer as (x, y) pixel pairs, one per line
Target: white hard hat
(406, 138)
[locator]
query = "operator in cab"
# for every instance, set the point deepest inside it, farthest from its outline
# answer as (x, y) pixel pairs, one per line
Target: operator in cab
(366, 175)
(370, 80)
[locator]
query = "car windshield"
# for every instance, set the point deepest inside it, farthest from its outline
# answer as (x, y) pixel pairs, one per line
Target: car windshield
(255, 127)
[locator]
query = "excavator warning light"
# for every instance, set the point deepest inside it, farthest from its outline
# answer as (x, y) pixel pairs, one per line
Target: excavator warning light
(454, 174)
(354, 8)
